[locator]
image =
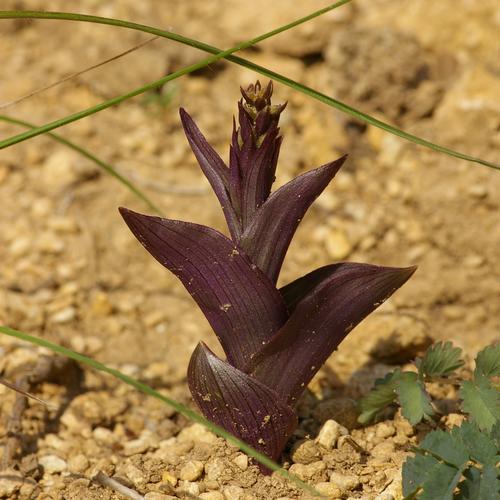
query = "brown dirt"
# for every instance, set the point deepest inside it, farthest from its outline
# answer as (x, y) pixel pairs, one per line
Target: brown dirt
(72, 273)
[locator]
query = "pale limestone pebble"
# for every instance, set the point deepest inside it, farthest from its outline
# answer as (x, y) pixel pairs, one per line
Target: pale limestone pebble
(330, 433)
(453, 420)
(345, 482)
(337, 244)
(197, 433)
(139, 445)
(58, 171)
(100, 304)
(106, 436)
(385, 429)
(134, 474)
(241, 461)
(473, 260)
(188, 488)
(55, 442)
(78, 464)
(304, 451)
(61, 224)
(20, 246)
(233, 493)
(48, 243)
(65, 315)
(10, 483)
(383, 451)
(212, 495)
(214, 469)
(305, 472)
(168, 478)
(327, 489)
(154, 495)
(52, 464)
(192, 470)
(394, 491)
(42, 207)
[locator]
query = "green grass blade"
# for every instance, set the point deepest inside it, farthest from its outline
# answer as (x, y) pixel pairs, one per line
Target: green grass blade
(180, 408)
(218, 54)
(105, 166)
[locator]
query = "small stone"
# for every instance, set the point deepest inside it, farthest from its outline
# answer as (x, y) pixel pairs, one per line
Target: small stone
(329, 490)
(241, 461)
(134, 474)
(383, 450)
(65, 315)
(212, 495)
(473, 261)
(169, 478)
(154, 495)
(344, 482)
(53, 464)
(330, 433)
(20, 247)
(214, 469)
(136, 446)
(78, 463)
(478, 191)
(197, 433)
(188, 488)
(233, 493)
(10, 483)
(49, 243)
(385, 430)
(337, 244)
(61, 224)
(307, 471)
(304, 451)
(192, 470)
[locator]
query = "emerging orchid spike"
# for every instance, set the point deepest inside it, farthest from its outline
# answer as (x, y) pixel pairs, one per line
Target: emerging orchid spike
(275, 340)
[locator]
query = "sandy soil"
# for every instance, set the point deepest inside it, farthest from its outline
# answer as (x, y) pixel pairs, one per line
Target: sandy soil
(72, 272)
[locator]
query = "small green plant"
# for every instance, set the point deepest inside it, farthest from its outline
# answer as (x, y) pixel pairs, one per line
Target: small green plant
(463, 462)
(460, 464)
(480, 397)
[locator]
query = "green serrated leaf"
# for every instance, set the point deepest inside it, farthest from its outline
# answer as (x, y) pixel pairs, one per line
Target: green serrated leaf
(437, 479)
(414, 400)
(479, 445)
(488, 361)
(480, 484)
(481, 401)
(440, 359)
(382, 395)
(446, 447)
(495, 436)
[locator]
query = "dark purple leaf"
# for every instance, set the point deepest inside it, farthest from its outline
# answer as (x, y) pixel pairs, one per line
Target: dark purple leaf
(241, 304)
(320, 321)
(259, 174)
(242, 405)
(214, 169)
(268, 236)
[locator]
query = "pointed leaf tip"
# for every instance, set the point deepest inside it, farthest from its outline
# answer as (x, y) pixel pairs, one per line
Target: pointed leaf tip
(213, 167)
(343, 296)
(242, 405)
(240, 303)
(267, 238)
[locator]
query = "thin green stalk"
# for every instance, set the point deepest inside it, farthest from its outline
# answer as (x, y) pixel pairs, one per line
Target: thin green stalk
(105, 166)
(180, 408)
(150, 86)
(218, 55)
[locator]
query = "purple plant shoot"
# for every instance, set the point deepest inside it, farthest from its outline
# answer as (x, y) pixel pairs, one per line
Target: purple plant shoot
(275, 340)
